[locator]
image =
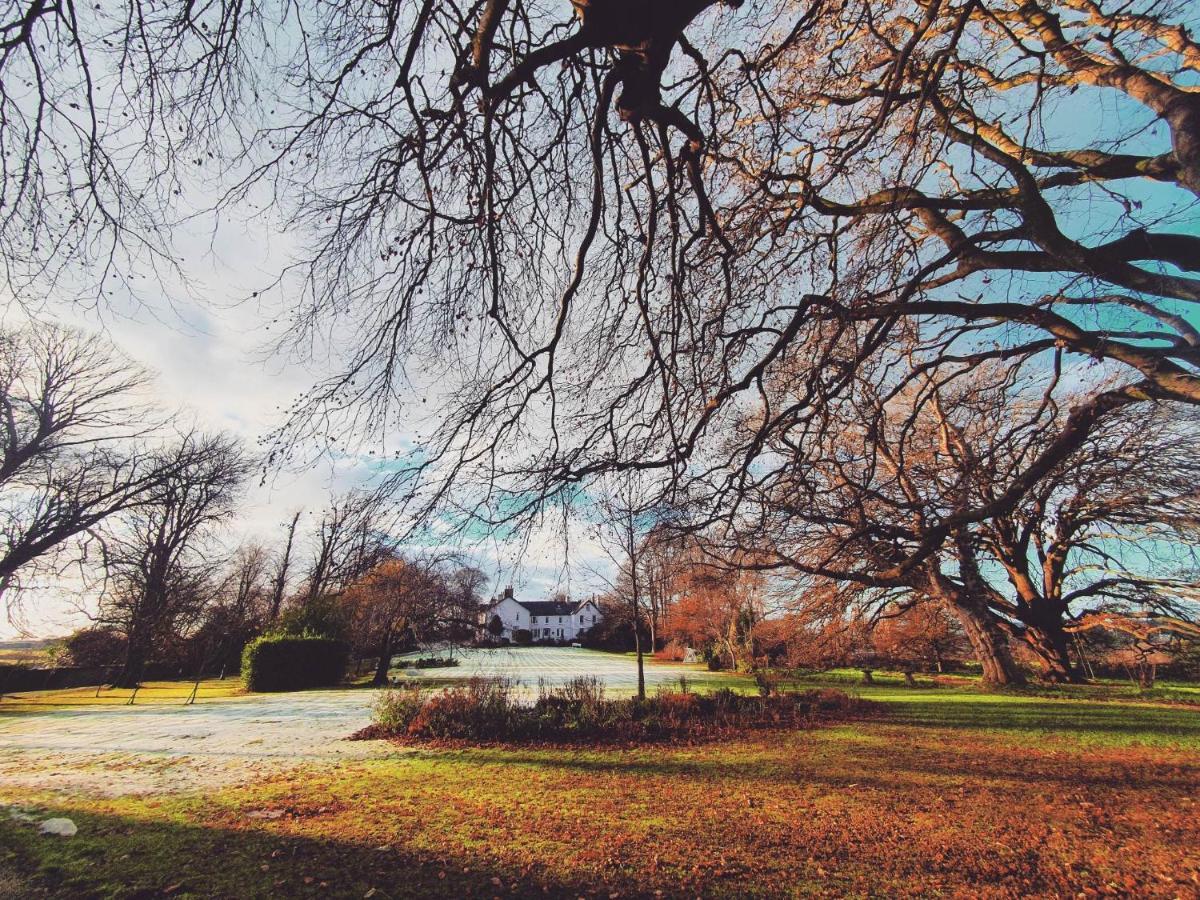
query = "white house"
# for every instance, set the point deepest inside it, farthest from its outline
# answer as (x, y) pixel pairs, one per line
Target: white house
(545, 620)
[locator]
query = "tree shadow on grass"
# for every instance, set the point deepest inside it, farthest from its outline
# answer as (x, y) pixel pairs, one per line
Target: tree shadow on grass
(1078, 718)
(126, 857)
(906, 765)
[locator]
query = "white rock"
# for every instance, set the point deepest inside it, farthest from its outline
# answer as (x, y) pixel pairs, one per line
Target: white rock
(61, 827)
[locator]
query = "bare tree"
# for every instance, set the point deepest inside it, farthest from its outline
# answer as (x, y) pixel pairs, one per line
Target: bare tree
(595, 234)
(158, 559)
(1102, 533)
(247, 582)
(481, 173)
(350, 539)
(74, 437)
(624, 524)
(282, 569)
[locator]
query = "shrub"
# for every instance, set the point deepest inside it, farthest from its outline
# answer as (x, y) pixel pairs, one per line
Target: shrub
(283, 662)
(431, 662)
(673, 651)
(522, 636)
(395, 708)
(766, 682)
(323, 616)
(94, 647)
(479, 710)
(488, 709)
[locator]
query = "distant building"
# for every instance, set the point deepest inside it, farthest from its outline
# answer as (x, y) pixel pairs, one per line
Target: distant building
(545, 620)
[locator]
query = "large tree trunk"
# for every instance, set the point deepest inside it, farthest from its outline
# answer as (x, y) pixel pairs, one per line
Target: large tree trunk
(987, 638)
(137, 650)
(983, 629)
(1049, 643)
(988, 642)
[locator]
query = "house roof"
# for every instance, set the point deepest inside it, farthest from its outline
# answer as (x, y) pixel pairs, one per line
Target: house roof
(548, 607)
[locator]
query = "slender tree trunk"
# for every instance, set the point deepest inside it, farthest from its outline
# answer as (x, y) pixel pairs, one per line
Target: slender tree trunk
(281, 574)
(385, 660)
(637, 645)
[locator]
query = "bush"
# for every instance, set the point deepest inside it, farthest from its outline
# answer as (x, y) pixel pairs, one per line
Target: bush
(673, 651)
(283, 662)
(766, 682)
(488, 709)
(94, 647)
(522, 636)
(431, 662)
(396, 707)
(323, 616)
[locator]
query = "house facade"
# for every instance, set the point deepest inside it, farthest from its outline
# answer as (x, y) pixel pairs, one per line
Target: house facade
(545, 620)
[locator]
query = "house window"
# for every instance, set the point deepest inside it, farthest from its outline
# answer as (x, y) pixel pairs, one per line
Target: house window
(560, 622)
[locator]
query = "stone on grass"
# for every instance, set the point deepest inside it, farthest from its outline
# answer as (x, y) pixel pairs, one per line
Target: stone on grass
(61, 827)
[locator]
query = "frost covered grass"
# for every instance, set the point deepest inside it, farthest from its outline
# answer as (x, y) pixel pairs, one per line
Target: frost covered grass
(954, 792)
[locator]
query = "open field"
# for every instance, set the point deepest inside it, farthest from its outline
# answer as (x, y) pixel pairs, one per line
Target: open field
(150, 693)
(951, 792)
(554, 666)
(25, 652)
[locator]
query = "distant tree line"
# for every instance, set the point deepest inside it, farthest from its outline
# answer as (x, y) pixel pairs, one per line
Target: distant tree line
(101, 491)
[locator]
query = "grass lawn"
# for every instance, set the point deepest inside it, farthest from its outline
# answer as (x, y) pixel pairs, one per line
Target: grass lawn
(149, 693)
(952, 792)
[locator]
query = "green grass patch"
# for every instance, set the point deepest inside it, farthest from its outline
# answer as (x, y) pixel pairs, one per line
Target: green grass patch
(1038, 792)
(150, 693)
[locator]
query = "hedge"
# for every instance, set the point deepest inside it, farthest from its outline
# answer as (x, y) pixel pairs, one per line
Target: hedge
(286, 662)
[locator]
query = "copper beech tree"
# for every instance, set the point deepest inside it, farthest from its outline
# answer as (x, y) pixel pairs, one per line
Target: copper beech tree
(596, 233)
(1111, 528)
(401, 601)
(610, 218)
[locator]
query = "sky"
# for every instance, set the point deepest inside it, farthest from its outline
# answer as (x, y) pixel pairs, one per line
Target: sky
(208, 353)
(211, 362)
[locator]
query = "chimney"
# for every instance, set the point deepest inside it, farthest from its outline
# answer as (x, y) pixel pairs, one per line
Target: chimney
(508, 593)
